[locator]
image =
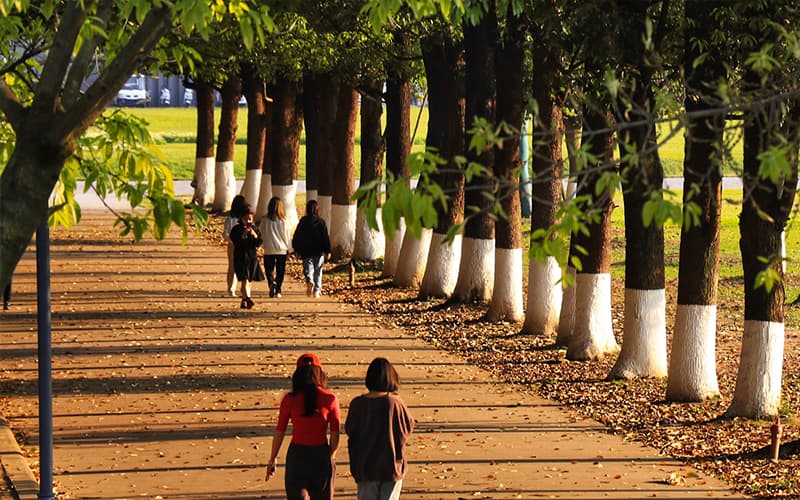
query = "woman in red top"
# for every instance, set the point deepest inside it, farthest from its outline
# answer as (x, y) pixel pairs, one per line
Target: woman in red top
(310, 461)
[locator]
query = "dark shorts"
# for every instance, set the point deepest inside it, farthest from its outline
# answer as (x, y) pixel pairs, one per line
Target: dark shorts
(309, 472)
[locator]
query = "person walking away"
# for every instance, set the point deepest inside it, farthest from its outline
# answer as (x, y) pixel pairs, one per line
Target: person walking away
(313, 410)
(311, 243)
(246, 240)
(378, 425)
(276, 245)
(238, 207)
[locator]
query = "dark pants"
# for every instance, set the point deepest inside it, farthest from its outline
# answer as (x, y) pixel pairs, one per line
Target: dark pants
(7, 295)
(309, 472)
(278, 264)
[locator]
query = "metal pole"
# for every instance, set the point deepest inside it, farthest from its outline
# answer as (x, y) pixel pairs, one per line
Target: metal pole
(45, 363)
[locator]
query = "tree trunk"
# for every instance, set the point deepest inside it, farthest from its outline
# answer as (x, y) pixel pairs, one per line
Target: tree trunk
(204, 147)
(545, 293)
(644, 346)
(284, 141)
(312, 126)
(328, 98)
(692, 374)
(444, 70)
(343, 208)
(476, 272)
(224, 178)
(593, 336)
(370, 243)
(765, 210)
(507, 300)
(398, 145)
(254, 92)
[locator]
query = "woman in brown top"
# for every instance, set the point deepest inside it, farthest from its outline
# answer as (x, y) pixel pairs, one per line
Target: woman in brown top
(378, 425)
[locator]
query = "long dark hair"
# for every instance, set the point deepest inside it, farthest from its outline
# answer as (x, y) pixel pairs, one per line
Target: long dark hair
(312, 208)
(239, 206)
(305, 380)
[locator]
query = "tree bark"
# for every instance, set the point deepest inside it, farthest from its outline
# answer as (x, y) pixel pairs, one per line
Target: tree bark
(328, 98)
(476, 272)
(507, 299)
(286, 131)
(224, 178)
(312, 127)
(254, 91)
(370, 243)
(444, 71)
(204, 146)
(692, 373)
(544, 278)
(343, 209)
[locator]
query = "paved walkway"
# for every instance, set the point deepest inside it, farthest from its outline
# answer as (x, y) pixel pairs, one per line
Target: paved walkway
(166, 389)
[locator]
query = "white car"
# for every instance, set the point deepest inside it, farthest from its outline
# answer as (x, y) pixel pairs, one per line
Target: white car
(133, 92)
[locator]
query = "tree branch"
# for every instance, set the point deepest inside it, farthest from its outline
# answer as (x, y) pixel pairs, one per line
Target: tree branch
(78, 70)
(59, 56)
(99, 95)
(10, 105)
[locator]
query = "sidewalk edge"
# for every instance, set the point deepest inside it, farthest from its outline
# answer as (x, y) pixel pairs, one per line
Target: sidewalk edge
(15, 467)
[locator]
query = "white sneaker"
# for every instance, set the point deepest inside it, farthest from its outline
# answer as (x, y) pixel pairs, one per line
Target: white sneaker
(231, 293)
(316, 294)
(309, 289)
(278, 295)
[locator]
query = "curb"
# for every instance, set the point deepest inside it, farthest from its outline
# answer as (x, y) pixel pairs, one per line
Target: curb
(15, 467)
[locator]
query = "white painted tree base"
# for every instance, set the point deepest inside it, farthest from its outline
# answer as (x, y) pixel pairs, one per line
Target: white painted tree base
(413, 259)
(204, 181)
(224, 186)
(566, 318)
(370, 243)
(441, 271)
(476, 271)
(545, 296)
(758, 383)
(391, 250)
(342, 230)
(311, 194)
(644, 341)
(288, 193)
(251, 188)
(325, 203)
(692, 374)
(506, 304)
(264, 195)
(593, 336)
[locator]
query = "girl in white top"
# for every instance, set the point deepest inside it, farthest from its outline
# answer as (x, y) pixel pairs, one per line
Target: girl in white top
(276, 245)
(238, 207)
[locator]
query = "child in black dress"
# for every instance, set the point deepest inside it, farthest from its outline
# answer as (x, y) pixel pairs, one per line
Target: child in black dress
(246, 240)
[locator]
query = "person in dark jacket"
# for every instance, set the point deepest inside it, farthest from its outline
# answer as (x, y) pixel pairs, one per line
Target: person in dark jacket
(246, 240)
(311, 243)
(378, 426)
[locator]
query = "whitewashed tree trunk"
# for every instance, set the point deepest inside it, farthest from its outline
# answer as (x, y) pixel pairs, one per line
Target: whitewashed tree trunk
(476, 271)
(264, 195)
(566, 318)
(251, 188)
(593, 337)
(506, 304)
(644, 345)
(545, 296)
(413, 259)
(311, 194)
(370, 243)
(288, 193)
(692, 374)
(224, 186)
(204, 180)
(758, 383)
(441, 271)
(391, 251)
(325, 203)
(342, 230)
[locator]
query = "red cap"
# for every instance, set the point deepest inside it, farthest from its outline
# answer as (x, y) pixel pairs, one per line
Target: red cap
(308, 358)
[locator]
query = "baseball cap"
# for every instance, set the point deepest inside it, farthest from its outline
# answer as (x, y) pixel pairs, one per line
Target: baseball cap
(308, 358)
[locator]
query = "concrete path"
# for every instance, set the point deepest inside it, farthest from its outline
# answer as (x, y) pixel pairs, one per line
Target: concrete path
(166, 389)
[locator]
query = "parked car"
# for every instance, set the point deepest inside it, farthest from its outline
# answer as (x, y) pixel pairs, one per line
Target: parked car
(133, 93)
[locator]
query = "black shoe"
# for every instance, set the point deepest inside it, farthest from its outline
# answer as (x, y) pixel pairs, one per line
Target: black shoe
(243, 304)
(5, 306)
(271, 291)
(250, 303)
